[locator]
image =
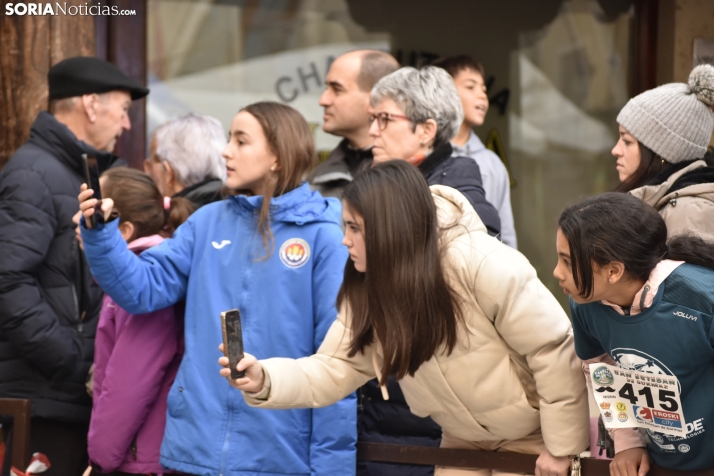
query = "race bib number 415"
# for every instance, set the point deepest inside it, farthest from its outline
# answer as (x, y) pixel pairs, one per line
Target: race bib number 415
(629, 399)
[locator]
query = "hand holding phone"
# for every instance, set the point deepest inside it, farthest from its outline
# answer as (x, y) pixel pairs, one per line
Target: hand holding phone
(254, 380)
(91, 178)
(232, 341)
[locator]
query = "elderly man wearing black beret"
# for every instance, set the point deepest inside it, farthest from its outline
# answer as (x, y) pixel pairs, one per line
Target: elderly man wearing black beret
(49, 303)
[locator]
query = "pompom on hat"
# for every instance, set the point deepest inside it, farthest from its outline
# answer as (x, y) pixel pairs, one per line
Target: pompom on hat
(676, 120)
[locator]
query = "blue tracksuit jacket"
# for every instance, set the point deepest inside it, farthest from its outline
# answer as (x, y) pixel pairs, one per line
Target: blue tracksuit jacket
(216, 262)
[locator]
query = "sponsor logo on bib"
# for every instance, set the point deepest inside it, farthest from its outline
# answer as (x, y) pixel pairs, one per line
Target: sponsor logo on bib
(643, 413)
(603, 376)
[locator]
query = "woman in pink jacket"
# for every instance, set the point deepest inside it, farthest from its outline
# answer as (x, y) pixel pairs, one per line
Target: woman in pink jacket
(136, 359)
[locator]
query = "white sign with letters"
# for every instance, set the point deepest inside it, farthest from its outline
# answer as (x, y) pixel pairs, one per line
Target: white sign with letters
(630, 399)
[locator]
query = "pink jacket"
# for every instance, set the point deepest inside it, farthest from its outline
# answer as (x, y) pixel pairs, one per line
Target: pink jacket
(136, 359)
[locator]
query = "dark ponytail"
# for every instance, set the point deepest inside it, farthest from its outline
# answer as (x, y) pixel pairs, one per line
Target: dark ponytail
(692, 249)
(138, 201)
(619, 227)
(179, 210)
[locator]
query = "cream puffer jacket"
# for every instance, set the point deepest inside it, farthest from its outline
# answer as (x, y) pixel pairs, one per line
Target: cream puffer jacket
(513, 370)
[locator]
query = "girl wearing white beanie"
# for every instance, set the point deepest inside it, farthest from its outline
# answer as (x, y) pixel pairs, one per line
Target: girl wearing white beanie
(664, 133)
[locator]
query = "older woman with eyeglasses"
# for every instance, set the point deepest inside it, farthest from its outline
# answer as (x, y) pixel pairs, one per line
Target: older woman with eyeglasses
(414, 115)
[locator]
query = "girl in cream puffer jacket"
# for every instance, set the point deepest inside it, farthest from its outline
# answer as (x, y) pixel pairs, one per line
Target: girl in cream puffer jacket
(511, 381)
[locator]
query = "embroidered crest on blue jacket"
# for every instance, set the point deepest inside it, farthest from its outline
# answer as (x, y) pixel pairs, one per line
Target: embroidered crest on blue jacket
(294, 252)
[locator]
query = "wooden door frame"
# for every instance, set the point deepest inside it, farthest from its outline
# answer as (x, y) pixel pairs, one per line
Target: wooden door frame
(121, 40)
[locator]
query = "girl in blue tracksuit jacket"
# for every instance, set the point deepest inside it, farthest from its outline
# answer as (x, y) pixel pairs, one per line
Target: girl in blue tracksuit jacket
(280, 263)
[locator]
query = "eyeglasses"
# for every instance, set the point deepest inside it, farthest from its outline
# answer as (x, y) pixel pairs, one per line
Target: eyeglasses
(383, 118)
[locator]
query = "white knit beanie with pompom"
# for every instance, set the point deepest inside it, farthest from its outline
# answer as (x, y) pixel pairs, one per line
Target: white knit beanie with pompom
(675, 120)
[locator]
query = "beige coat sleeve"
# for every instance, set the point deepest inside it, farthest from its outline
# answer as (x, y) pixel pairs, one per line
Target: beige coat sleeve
(534, 325)
(319, 380)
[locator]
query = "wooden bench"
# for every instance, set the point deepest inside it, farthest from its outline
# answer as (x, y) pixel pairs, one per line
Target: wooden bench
(19, 410)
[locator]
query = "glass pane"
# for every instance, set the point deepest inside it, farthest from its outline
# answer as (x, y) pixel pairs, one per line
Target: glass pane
(570, 82)
(217, 57)
(557, 72)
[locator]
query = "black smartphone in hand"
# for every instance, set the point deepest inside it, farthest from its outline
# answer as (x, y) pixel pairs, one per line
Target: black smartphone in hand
(232, 340)
(91, 178)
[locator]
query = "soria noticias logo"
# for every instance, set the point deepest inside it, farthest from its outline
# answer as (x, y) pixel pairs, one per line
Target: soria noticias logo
(61, 8)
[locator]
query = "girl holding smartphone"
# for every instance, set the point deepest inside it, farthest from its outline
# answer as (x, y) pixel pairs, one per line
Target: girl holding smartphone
(271, 250)
(458, 318)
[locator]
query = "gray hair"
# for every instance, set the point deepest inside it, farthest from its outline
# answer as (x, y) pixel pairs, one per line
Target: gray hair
(192, 144)
(428, 93)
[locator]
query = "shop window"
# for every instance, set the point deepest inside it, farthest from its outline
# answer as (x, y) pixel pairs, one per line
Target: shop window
(557, 72)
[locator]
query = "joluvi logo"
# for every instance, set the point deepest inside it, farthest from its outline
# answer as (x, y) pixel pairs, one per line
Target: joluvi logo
(294, 252)
(685, 315)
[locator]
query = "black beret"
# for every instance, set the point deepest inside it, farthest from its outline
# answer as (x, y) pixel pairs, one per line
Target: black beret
(87, 75)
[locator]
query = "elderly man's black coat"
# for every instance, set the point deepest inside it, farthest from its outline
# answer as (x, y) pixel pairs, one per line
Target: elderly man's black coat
(49, 303)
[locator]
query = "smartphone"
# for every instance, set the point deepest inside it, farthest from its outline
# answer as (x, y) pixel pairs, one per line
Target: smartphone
(91, 178)
(232, 340)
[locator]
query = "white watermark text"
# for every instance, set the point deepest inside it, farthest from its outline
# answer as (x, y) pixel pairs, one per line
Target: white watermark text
(61, 8)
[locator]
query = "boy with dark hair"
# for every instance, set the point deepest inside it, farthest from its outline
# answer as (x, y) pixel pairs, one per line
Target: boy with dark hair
(468, 75)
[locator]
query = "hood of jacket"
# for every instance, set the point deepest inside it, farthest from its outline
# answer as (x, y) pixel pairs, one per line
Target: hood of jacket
(696, 179)
(455, 214)
(298, 206)
(685, 200)
(144, 243)
(56, 138)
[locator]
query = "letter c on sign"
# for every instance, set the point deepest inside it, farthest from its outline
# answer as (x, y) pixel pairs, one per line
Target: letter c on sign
(279, 89)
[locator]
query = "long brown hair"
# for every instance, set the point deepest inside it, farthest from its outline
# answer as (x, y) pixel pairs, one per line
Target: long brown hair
(650, 166)
(403, 299)
(290, 140)
(138, 201)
